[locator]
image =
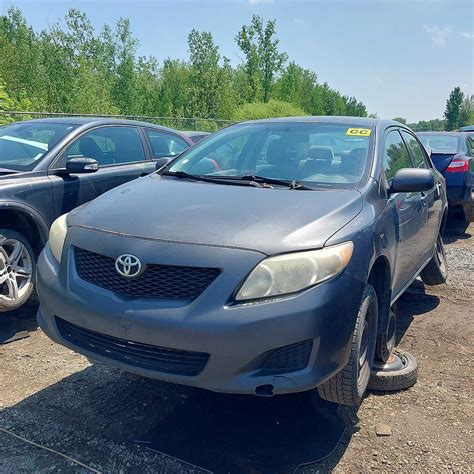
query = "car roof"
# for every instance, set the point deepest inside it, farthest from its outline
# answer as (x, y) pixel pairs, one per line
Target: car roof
(97, 121)
(191, 133)
(452, 134)
(357, 121)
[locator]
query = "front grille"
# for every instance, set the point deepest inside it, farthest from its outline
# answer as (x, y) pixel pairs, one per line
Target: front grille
(287, 359)
(159, 359)
(157, 281)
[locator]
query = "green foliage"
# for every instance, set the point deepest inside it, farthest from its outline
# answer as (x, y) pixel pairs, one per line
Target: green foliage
(452, 113)
(466, 111)
(273, 108)
(263, 60)
(70, 67)
(435, 125)
(401, 120)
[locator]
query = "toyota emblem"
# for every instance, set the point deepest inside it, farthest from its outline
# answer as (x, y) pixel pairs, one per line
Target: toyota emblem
(128, 265)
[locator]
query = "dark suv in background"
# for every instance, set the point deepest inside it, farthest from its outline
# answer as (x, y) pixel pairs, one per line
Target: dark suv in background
(50, 166)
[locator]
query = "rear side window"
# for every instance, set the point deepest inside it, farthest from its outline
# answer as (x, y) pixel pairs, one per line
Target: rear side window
(165, 144)
(417, 154)
(396, 155)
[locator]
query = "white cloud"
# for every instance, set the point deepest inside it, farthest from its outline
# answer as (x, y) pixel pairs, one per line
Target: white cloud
(438, 34)
(256, 2)
(299, 21)
(469, 35)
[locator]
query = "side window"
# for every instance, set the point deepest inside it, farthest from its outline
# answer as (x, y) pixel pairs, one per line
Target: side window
(470, 145)
(417, 154)
(109, 146)
(396, 155)
(165, 144)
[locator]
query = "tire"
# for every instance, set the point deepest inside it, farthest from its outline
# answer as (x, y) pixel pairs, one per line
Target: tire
(436, 272)
(348, 386)
(16, 277)
(467, 212)
(396, 375)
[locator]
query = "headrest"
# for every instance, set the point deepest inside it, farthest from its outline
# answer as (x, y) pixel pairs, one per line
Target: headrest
(160, 146)
(321, 153)
(276, 153)
(89, 148)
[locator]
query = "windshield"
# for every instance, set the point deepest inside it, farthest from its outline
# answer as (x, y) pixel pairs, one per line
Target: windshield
(437, 143)
(314, 154)
(23, 145)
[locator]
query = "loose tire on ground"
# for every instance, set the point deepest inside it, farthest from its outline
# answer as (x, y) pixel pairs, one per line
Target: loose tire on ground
(25, 265)
(387, 380)
(349, 385)
(436, 272)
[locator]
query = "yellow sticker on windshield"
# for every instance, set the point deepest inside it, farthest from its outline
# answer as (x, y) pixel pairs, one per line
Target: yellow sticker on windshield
(359, 132)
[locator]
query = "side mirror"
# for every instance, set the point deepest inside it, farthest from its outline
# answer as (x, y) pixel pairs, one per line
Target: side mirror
(81, 165)
(162, 162)
(412, 180)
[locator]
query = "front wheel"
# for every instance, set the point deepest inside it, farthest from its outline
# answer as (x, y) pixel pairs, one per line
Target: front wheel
(436, 272)
(349, 385)
(17, 267)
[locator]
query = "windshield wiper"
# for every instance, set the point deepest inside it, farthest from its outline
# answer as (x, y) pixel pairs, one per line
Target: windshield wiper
(290, 183)
(212, 179)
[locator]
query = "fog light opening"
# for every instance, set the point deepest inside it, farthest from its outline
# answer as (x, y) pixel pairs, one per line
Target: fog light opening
(264, 391)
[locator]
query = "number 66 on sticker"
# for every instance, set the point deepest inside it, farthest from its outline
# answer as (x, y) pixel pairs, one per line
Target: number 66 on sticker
(359, 132)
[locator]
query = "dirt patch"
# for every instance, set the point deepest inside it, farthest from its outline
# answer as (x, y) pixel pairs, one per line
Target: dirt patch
(103, 418)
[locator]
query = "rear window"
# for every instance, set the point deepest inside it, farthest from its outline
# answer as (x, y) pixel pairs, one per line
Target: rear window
(437, 143)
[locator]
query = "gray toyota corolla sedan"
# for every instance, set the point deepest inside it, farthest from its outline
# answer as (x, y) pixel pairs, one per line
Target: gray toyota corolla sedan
(263, 260)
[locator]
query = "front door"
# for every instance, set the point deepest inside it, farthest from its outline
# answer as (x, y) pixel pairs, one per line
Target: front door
(409, 212)
(121, 156)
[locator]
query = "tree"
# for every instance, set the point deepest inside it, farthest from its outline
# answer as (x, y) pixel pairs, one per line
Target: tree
(401, 120)
(273, 108)
(204, 62)
(453, 109)
(263, 60)
(466, 111)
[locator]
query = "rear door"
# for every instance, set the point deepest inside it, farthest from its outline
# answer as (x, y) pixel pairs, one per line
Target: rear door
(122, 157)
(409, 213)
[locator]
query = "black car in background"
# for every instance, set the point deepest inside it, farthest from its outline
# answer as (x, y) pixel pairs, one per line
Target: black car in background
(453, 155)
(50, 166)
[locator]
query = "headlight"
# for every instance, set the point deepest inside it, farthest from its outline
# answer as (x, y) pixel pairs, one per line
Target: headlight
(57, 235)
(294, 272)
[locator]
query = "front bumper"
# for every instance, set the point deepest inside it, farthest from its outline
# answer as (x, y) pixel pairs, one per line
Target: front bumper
(238, 338)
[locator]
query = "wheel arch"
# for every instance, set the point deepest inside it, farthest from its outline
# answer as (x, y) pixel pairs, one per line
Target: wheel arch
(380, 278)
(27, 222)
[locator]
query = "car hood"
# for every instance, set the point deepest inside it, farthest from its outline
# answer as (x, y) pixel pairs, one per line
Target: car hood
(269, 221)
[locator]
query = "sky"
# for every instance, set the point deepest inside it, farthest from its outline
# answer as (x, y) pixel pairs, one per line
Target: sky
(401, 58)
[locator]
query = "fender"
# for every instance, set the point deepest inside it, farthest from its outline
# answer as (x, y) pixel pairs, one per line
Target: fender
(31, 214)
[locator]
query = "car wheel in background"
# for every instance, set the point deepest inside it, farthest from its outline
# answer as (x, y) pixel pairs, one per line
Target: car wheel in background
(398, 373)
(436, 272)
(349, 385)
(17, 270)
(467, 212)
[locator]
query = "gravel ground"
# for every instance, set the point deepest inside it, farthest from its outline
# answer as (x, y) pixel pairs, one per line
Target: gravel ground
(102, 419)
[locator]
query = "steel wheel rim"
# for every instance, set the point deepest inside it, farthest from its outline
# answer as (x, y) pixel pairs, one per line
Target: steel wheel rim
(16, 270)
(364, 347)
